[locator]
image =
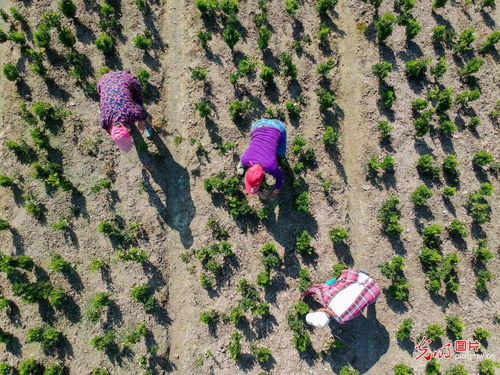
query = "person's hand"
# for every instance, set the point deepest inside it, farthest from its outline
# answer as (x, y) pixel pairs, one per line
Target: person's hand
(141, 125)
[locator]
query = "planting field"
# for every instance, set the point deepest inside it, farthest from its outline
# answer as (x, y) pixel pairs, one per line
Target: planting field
(155, 261)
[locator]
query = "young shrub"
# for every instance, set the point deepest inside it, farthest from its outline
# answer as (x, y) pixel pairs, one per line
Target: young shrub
(301, 202)
(263, 39)
(17, 37)
(387, 96)
(204, 37)
(421, 195)
(431, 236)
(474, 122)
(289, 68)
(97, 264)
(472, 66)
(440, 68)
(404, 329)
(419, 104)
(487, 367)
(67, 8)
(464, 42)
(413, 27)
(450, 164)
(104, 43)
(456, 229)
(346, 370)
(17, 15)
(58, 264)
(30, 367)
(417, 68)
(6, 369)
(60, 225)
(231, 35)
(323, 6)
(293, 108)
(238, 108)
(303, 244)
(432, 367)
(234, 347)
(55, 369)
(207, 7)
(454, 326)
(4, 224)
(198, 74)
(100, 371)
(291, 6)
(135, 336)
(267, 75)
(42, 36)
(384, 26)
(337, 270)
(323, 33)
(47, 337)
(434, 332)
(467, 96)
(209, 317)
(133, 254)
(10, 72)
(203, 108)
(446, 126)
(381, 69)
(144, 295)
(442, 34)
(491, 40)
(389, 215)
(482, 158)
(402, 369)
(66, 37)
(481, 334)
(4, 336)
(325, 98)
(6, 181)
(40, 139)
(483, 277)
(304, 280)
(143, 41)
(425, 165)
(260, 354)
(104, 342)
(325, 67)
(330, 136)
(338, 235)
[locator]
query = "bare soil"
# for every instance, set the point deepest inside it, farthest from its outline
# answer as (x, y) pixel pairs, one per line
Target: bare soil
(162, 188)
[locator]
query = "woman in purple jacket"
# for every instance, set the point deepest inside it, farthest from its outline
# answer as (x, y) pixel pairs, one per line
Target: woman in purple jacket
(267, 143)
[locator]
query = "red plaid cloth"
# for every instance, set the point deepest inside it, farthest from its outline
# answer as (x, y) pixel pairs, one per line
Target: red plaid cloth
(324, 294)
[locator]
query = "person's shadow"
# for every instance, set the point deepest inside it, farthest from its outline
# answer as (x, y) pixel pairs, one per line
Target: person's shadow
(176, 208)
(364, 341)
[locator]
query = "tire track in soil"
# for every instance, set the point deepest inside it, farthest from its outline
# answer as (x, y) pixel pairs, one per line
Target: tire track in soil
(349, 98)
(174, 97)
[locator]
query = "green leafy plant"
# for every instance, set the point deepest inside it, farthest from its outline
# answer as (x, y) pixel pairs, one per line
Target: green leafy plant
(490, 41)
(231, 35)
(10, 72)
(434, 332)
(263, 38)
(47, 337)
(338, 235)
(481, 334)
(204, 37)
(330, 136)
(60, 225)
(135, 336)
(104, 43)
(67, 8)
(239, 108)
(144, 295)
(289, 68)
(382, 69)
(456, 228)
(389, 215)
(464, 41)
(234, 347)
(420, 195)
(97, 264)
(143, 41)
(58, 264)
(267, 75)
(133, 254)
(301, 202)
(440, 68)
(303, 244)
(198, 74)
(325, 67)
(5, 337)
(404, 329)
(384, 26)
(482, 158)
(454, 326)
(487, 367)
(323, 6)
(481, 253)
(104, 342)
(325, 98)
(304, 280)
(385, 129)
(54, 369)
(425, 165)
(66, 37)
(376, 165)
(323, 33)
(472, 66)
(402, 369)
(417, 68)
(17, 37)
(346, 370)
(412, 28)
(291, 6)
(30, 367)
(387, 96)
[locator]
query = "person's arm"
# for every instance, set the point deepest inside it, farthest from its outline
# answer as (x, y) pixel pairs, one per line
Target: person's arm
(328, 311)
(277, 173)
(136, 91)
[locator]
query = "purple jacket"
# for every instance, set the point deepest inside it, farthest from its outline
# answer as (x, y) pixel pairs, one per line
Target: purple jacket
(262, 150)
